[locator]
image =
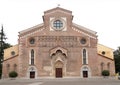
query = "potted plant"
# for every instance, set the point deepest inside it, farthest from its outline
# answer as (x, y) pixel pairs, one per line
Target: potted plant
(105, 73)
(13, 74)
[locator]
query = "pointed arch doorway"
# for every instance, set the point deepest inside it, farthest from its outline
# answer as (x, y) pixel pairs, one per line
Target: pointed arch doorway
(58, 69)
(58, 61)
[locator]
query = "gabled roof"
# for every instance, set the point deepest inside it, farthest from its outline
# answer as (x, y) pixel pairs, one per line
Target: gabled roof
(105, 56)
(8, 51)
(31, 28)
(108, 51)
(84, 29)
(11, 57)
(75, 27)
(58, 9)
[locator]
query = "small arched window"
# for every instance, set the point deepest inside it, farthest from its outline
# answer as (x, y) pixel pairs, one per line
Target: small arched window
(15, 67)
(84, 56)
(108, 65)
(8, 68)
(32, 57)
(102, 66)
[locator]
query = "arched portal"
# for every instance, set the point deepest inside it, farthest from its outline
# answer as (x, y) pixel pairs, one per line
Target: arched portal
(32, 72)
(85, 72)
(58, 61)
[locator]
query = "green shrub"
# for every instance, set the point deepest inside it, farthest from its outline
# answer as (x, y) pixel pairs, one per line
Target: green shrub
(13, 74)
(105, 73)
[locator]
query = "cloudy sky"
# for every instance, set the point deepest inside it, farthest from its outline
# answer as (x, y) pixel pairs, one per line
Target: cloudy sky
(102, 16)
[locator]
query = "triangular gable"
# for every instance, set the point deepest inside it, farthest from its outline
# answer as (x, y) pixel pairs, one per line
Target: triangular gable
(8, 52)
(57, 9)
(41, 26)
(38, 27)
(108, 52)
(84, 30)
(75, 27)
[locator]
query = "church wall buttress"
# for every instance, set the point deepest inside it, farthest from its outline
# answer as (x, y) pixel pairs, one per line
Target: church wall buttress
(23, 58)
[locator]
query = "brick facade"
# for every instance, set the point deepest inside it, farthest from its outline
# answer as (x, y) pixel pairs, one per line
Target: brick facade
(58, 49)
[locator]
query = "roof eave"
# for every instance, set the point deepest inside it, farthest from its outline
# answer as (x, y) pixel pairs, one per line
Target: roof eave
(85, 29)
(31, 28)
(57, 8)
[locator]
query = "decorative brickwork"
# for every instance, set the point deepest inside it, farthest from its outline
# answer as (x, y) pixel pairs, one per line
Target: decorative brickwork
(68, 52)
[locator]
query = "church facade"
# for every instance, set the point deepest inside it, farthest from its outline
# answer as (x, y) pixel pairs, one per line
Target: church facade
(58, 48)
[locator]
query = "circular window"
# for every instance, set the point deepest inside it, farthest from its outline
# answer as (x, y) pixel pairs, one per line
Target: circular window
(103, 52)
(58, 24)
(13, 53)
(83, 41)
(32, 41)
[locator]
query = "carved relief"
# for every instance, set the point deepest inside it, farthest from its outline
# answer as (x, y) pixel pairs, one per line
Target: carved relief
(52, 41)
(57, 40)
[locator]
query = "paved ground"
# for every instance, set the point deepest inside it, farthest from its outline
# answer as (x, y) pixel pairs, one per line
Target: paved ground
(73, 81)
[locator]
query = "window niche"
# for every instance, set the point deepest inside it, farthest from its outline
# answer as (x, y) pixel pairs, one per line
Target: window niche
(12, 53)
(15, 67)
(32, 41)
(84, 57)
(32, 57)
(83, 41)
(58, 24)
(103, 52)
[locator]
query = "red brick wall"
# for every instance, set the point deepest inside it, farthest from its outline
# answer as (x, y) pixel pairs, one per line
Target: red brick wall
(11, 62)
(106, 61)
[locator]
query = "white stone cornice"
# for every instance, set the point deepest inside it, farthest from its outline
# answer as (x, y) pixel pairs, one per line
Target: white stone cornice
(85, 29)
(32, 33)
(79, 31)
(29, 29)
(58, 9)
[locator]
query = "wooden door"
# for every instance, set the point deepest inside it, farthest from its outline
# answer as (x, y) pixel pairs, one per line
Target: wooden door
(58, 72)
(85, 74)
(32, 74)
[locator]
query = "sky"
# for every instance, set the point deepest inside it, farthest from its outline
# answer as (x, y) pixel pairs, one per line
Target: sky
(102, 16)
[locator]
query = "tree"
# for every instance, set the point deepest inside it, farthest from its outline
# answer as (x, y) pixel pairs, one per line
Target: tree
(6, 45)
(117, 60)
(3, 46)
